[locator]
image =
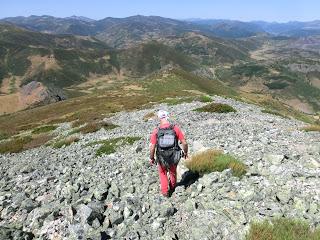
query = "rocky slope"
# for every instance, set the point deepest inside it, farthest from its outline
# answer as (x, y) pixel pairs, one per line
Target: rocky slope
(69, 193)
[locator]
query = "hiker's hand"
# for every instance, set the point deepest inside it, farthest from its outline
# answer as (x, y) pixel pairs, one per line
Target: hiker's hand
(186, 155)
(151, 161)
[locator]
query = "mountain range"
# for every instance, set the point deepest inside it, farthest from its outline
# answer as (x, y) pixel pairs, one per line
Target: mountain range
(79, 56)
(162, 26)
(78, 101)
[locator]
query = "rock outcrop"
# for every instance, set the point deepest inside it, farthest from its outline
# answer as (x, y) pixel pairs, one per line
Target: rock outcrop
(69, 193)
(35, 93)
(30, 95)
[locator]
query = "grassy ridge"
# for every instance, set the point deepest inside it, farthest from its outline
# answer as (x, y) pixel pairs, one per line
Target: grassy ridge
(152, 56)
(95, 107)
(176, 80)
(209, 50)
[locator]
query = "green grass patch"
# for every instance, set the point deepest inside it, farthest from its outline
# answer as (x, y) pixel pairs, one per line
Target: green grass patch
(44, 129)
(205, 98)
(216, 108)
(110, 145)
(215, 160)
(93, 127)
(282, 229)
(65, 142)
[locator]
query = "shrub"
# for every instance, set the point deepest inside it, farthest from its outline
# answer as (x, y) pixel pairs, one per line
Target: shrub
(217, 108)
(214, 160)
(93, 127)
(44, 129)
(277, 85)
(65, 142)
(205, 98)
(312, 128)
(110, 145)
(282, 229)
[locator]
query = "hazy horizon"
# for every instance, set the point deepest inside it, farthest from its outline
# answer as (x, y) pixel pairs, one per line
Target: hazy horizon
(247, 10)
(182, 19)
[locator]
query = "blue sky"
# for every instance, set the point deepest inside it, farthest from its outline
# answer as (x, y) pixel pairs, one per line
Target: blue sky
(246, 10)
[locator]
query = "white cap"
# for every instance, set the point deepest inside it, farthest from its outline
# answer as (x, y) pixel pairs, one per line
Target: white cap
(163, 114)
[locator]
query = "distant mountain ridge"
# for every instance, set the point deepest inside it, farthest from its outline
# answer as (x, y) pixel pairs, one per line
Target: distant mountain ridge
(84, 55)
(291, 29)
(116, 31)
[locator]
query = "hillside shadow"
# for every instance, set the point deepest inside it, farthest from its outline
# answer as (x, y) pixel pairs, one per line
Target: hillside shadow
(188, 178)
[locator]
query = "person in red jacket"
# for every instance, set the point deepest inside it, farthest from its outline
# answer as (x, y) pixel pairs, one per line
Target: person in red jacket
(164, 123)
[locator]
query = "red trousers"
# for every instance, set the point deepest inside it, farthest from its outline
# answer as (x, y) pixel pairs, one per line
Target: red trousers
(164, 179)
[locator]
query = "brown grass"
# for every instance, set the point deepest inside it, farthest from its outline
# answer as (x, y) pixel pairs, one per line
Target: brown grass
(215, 160)
(38, 141)
(92, 107)
(19, 144)
(273, 113)
(83, 110)
(148, 116)
(312, 128)
(14, 145)
(203, 159)
(65, 142)
(93, 127)
(77, 123)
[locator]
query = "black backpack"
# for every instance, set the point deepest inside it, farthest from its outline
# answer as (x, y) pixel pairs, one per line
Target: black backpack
(168, 149)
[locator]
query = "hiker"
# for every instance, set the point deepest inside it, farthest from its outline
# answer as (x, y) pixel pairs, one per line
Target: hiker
(164, 142)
